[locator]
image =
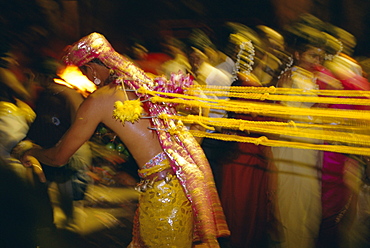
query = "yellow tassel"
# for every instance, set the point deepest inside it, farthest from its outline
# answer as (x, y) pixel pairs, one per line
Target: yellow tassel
(129, 110)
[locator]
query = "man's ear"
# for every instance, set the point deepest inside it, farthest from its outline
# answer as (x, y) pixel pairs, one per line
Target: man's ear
(87, 70)
(88, 67)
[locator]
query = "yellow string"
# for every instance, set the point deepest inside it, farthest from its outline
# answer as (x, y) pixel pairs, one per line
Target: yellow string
(350, 127)
(266, 109)
(195, 89)
(253, 93)
(320, 132)
(280, 143)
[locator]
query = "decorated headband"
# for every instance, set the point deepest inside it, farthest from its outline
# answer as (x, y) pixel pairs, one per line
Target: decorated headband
(96, 45)
(86, 49)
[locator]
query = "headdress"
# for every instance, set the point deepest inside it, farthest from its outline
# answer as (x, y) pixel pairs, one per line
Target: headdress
(96, 45)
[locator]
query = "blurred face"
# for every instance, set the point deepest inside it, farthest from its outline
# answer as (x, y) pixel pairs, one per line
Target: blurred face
(196, 58)
(310, 58)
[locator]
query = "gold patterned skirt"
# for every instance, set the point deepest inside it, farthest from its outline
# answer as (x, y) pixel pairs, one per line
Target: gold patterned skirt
(164, 217)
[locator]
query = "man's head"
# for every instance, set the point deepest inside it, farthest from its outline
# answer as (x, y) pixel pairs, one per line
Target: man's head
(307, 44)
(96, 71)
(96, 46)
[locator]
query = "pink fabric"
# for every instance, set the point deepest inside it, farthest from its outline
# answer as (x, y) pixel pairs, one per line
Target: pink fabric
(356, 83)
(336, 196)
(335, 193)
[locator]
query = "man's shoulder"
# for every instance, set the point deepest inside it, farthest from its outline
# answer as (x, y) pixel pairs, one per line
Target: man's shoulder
(103, 95)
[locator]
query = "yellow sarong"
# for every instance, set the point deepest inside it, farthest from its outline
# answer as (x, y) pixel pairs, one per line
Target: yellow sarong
(164, 217)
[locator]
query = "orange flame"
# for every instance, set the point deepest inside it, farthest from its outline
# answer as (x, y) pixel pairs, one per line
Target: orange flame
(73, 78)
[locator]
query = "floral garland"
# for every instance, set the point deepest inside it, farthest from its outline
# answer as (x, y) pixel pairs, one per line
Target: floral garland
(132, 110)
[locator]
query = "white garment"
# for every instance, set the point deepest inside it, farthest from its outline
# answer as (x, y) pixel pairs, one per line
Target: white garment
(299, 195)
(14, 124)
(213, 76)
(299, 190)
(228, 66)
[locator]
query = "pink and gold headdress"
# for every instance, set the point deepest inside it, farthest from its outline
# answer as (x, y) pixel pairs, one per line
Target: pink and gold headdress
(95, 46)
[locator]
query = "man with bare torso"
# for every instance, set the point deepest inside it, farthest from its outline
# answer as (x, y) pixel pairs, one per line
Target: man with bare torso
(178, 202)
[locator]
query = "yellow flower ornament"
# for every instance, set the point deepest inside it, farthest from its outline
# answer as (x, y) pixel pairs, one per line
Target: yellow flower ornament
(129, 110)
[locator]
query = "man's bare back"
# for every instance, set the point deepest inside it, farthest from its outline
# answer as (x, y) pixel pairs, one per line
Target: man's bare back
(142, 142)
(138, 138)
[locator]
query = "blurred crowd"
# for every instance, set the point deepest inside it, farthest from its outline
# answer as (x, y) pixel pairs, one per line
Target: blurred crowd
(271, 197)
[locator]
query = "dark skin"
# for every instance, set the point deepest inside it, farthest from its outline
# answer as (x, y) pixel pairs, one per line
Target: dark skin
(310, 58)
(98, 108)
(307, 60)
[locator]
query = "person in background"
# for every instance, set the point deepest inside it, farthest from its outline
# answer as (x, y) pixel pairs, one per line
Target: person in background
(275, 59)
(203, 58)
(299, 189)
(144, 57)
(56, 108)
(16, 115)
(199, 42)
(179, 62)
(246, 167)
(340, 172)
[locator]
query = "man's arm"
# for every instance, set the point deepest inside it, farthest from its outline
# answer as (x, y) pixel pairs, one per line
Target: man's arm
(87, 119)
